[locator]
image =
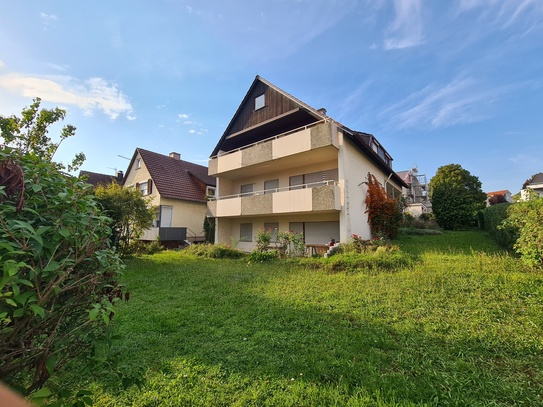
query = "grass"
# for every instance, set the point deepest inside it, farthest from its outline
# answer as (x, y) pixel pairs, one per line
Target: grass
(463, 326)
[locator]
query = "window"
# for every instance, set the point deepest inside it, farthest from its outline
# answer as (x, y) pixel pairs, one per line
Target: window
(260, 102)
(210, 192)
(246, 232)
(271, 186)
(138, 163)
(146, 188)
(274, 227)
(246, 189)
(296, 182)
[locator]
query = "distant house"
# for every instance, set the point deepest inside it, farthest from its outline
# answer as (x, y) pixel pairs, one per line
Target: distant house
(498, 197)
(416, 193)
(95, 178)
(179, 191)
(535, 184)
(285, 166)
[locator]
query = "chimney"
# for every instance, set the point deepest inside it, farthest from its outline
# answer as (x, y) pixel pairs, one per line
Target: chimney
(322, 110)
(119, 176)
(177, 156)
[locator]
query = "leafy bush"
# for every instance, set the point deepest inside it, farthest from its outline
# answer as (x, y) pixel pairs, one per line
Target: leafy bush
(60, 278)
(424, 221)
(382, 259)
(213, 251)
(139, 247)
(358, 245)
(260, 257)
(384, 213)
(527, 218)
(291, 244)
(493, 222)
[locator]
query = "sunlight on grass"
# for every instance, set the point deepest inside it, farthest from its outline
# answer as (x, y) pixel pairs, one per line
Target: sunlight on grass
(462, 326)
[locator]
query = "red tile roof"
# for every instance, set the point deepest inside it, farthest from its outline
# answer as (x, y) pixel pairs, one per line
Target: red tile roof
(175, 178)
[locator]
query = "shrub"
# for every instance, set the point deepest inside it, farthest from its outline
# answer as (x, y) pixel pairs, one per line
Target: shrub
(60, 277)
(384, 213)
(493, 222)
(420, 232)
(291, 244)
(358, 245)
(213, 251)
(260, 257)
(527, 218)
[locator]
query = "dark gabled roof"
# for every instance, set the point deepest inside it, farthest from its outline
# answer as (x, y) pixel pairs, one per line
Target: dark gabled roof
(95, 178)
(363, 141)
(537, 178)
(174, 178)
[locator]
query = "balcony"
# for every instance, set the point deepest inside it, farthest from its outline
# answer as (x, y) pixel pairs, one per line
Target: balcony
(319, 141)
(165, 234)
(322, 196)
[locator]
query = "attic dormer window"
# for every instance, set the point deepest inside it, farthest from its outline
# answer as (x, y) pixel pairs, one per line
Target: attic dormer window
(260, 102)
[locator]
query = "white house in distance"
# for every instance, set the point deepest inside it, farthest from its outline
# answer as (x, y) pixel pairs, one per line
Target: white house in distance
(283, 165)
(535, 184)
(179, 191)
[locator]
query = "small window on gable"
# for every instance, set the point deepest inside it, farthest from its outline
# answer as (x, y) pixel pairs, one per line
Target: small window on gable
(138, 163)
(260, 101)
(210, 192)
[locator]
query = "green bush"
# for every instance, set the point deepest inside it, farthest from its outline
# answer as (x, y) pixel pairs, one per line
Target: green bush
(213, 251)
(260, 257)
(420, 231)
(527, 218)
(493, 218)
(382, 259)
(59, 276)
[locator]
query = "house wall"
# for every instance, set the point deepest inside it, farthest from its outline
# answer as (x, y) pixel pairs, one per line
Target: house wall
(138, 175)
(187, 214)
(353, 170)
(228, 229)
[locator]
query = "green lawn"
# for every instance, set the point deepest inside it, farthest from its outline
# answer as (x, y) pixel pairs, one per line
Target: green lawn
(464, 327)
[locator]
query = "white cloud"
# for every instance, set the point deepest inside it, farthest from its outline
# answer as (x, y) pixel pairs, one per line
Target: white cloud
(183, 116)
(89, 95)
(461, 101)
(2, 64)
(406, 29)
(505, 12)
(48, 17)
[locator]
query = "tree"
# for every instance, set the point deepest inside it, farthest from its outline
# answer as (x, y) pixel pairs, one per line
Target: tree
(209, 229)
(456, 197)
(59, 276)
(131, 213)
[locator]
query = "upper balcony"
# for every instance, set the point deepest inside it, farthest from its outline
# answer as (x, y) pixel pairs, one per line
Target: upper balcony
(323, 196)
(318, 142)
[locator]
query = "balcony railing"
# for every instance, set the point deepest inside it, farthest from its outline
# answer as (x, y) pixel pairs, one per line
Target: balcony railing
(270, 191)
(278, 136)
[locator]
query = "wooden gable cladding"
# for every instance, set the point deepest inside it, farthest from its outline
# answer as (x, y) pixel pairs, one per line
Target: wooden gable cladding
(276, 104)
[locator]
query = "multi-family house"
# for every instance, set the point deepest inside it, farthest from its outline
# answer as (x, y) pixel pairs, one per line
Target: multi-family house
(416, 193)
(179, 191)
(285, 166)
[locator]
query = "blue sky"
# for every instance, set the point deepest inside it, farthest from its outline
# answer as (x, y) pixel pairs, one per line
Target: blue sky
(436, 82)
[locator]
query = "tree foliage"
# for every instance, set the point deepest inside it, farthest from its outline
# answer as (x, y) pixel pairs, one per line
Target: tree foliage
(384, 213)
(456, 197)
(59, 276)
(131, 213)
(527, 218)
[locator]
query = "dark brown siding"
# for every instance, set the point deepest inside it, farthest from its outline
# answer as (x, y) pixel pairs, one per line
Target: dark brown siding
(276, 104)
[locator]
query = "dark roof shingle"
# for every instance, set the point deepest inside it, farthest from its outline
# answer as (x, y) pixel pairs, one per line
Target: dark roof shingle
(175, 178)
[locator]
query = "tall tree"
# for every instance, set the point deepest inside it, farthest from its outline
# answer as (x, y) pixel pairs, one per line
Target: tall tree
(456, 197)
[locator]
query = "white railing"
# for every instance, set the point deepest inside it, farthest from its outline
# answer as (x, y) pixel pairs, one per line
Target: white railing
(273, 190)
(223, 153)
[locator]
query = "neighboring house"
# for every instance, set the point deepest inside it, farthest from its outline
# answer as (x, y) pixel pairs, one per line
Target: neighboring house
(535, 184)
(95, 178)
(283, 165)
(416, 193)
(179, 191)
(498, 197)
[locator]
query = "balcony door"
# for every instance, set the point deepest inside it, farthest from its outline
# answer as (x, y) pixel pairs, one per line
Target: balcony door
(166, 215)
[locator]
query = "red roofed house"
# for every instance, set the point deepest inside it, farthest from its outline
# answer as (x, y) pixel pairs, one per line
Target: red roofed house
(496, 197)
(179, 191)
